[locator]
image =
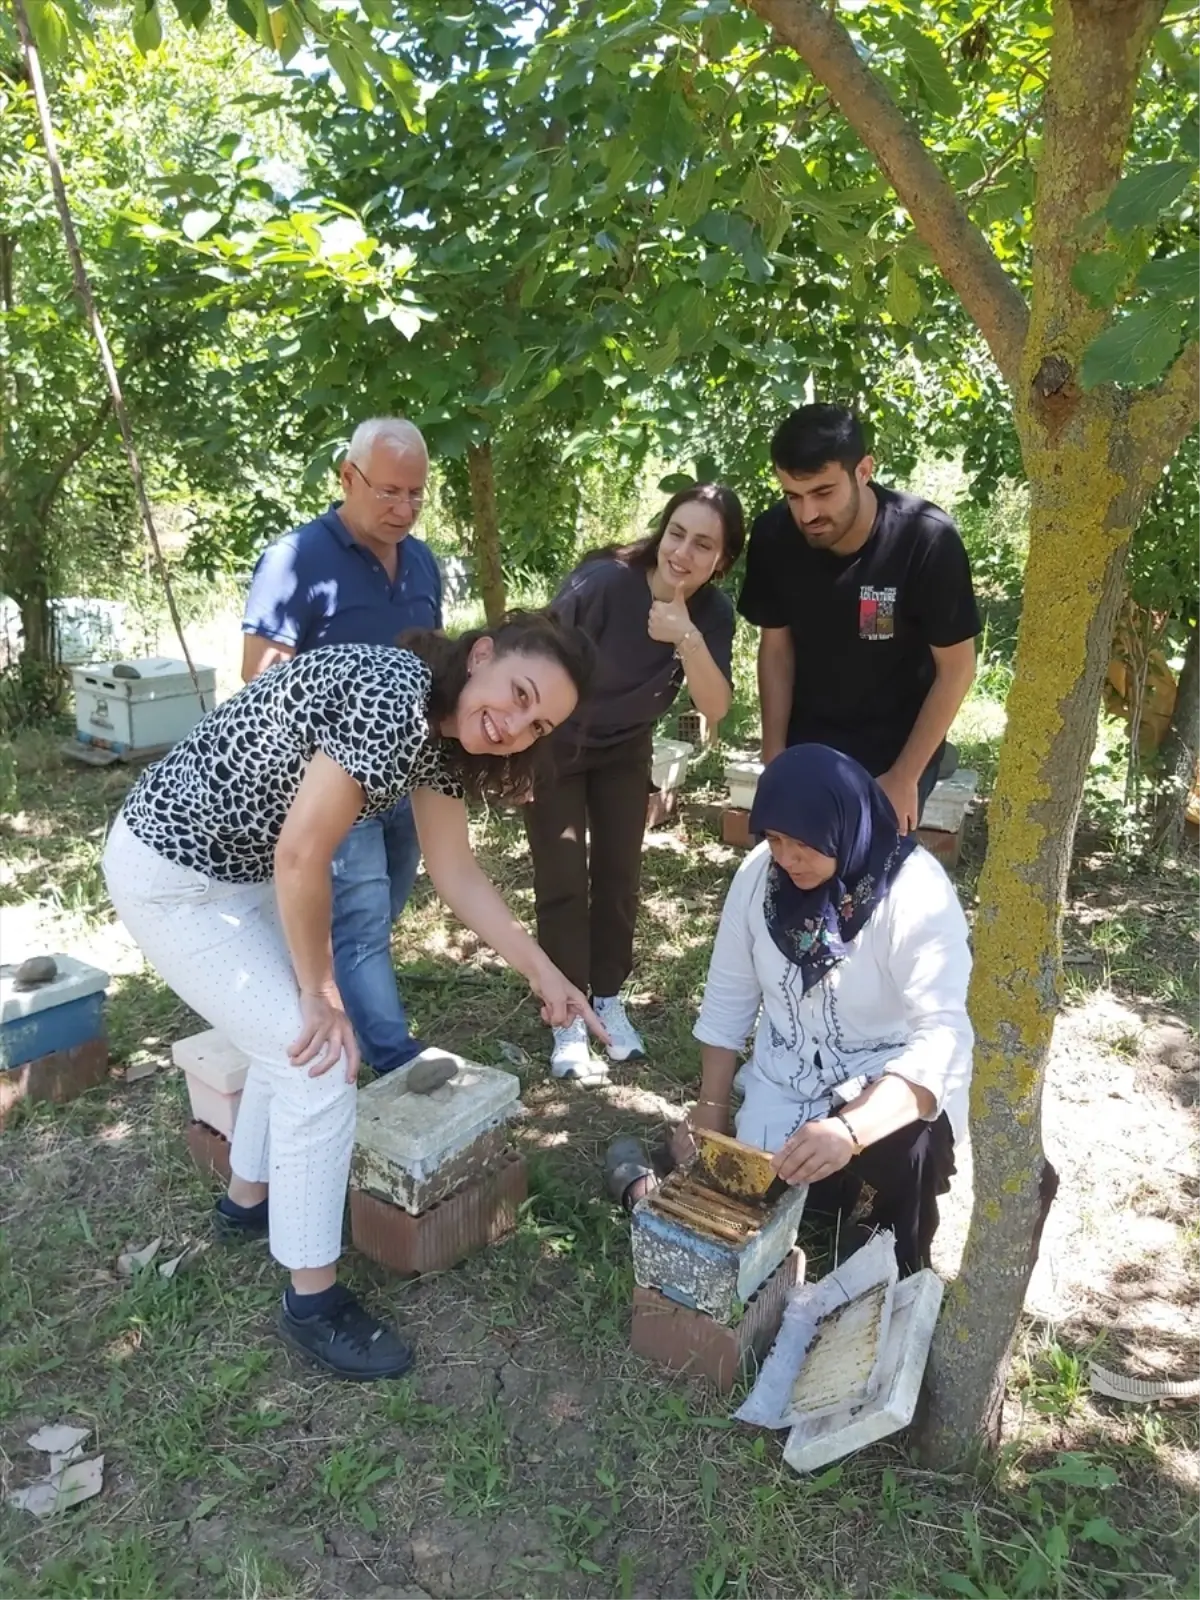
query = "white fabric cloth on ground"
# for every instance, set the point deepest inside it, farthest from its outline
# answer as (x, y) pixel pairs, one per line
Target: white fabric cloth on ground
(897, 1003)
(221, 948)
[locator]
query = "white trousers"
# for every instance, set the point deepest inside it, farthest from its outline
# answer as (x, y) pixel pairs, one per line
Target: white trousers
(221, 948)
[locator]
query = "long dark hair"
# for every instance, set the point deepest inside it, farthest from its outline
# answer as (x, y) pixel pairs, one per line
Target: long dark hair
(529, 633)
(644, 552)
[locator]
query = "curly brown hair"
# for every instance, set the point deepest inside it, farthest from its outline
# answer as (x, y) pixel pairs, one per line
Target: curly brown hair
(528, 633)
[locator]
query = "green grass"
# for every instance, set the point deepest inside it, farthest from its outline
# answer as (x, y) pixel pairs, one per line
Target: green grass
(529, 1453)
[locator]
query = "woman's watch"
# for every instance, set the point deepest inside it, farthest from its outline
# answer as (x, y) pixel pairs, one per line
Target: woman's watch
(855, 1145)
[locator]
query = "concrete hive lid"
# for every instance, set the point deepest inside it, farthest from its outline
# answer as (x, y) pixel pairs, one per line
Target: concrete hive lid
(210, 1057)
(417, 1132)
(75, 981)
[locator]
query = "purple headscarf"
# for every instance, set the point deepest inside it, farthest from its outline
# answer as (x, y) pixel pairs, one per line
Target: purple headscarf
(830, 803)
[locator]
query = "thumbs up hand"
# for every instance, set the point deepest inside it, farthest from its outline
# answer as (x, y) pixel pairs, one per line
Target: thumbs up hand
(669, 619)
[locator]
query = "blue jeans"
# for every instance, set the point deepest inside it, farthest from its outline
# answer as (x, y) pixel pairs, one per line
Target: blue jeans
(373, 875)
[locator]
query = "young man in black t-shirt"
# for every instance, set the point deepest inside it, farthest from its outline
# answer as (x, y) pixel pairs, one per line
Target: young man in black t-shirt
(868, 618)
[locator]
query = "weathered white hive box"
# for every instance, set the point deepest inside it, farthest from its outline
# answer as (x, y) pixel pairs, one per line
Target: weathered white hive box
(741, 777)
(414, 1149)
(669, 763)
(156, 708)
(216, 1075)
(714, 1272)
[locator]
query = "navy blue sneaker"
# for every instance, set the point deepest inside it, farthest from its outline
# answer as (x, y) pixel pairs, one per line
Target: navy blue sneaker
(347, 1341)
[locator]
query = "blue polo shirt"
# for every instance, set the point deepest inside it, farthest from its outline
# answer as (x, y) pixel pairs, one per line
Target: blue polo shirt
(317, 585)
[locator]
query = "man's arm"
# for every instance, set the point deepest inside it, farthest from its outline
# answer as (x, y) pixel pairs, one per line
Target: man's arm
(258, 654)
(954, 671)
(776, 687)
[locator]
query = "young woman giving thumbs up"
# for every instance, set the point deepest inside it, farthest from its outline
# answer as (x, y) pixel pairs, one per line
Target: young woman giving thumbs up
(657, 622)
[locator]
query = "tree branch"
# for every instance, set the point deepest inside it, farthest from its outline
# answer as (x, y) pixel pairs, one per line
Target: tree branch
(1160, 419)
(89, 437)
(962, 253)
(83, 288)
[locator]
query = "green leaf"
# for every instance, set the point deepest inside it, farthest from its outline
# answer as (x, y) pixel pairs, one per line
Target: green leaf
(959, 1583)
(1141, 197)
(1099, 274)
(903, 296)
(924, 56)
(1174, 277)
(49, 27)
(1078, 1468)
(353, 79)
(197, 223)
(243, 16)
(1099, 1530)
(147, 28)
(1135, 350)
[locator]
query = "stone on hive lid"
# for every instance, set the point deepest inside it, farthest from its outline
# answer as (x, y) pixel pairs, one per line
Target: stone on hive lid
(405, 1142)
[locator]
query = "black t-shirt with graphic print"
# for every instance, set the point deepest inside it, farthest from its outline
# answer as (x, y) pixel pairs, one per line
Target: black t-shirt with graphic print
(862, 625)
(217, 801)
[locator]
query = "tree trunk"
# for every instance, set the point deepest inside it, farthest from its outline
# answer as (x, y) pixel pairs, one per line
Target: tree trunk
(1081, 519)
(1179, 754)
(485, 544)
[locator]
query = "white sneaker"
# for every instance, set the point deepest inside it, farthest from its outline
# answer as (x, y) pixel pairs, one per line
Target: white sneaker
(625, 1042)
(572, 1057)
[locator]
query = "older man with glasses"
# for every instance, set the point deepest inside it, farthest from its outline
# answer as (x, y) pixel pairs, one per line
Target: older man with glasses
(357, 575)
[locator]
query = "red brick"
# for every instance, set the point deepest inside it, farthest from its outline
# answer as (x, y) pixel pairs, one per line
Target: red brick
(475, 1215)
(735, 827)
(691, 1342)
(60, 1076)
(209, 1150)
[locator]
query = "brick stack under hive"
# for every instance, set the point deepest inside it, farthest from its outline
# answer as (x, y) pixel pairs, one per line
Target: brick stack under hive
(713, 1259)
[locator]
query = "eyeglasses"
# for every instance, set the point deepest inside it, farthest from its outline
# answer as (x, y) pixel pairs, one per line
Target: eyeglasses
(392, 497)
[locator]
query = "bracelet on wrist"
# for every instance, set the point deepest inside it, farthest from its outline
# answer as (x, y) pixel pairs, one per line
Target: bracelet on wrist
(856, 1146)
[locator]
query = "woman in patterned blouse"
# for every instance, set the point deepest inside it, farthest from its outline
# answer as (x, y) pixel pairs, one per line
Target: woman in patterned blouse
(219, 866)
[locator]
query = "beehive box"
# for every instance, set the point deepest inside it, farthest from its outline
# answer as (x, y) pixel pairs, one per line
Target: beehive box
(412, 1150)
(741, 778)
(215, 1071)
(58, 1015)
(706, 1250)
(52, 1038)
(153, 710)
(669, 763)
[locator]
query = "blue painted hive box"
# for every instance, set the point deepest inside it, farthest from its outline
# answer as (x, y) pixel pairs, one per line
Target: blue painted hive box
(708, 1250)
(59, 1015)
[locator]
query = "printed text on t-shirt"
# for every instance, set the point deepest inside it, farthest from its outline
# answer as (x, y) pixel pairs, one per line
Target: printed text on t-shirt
(876, 613)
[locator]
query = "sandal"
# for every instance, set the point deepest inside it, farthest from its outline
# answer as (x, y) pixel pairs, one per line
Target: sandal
(626, 1164)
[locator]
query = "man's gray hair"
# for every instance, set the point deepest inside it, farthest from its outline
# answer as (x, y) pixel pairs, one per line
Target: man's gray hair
(384, 430)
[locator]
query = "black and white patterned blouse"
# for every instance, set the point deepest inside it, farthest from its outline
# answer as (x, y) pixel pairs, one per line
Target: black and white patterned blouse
(218, 800)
